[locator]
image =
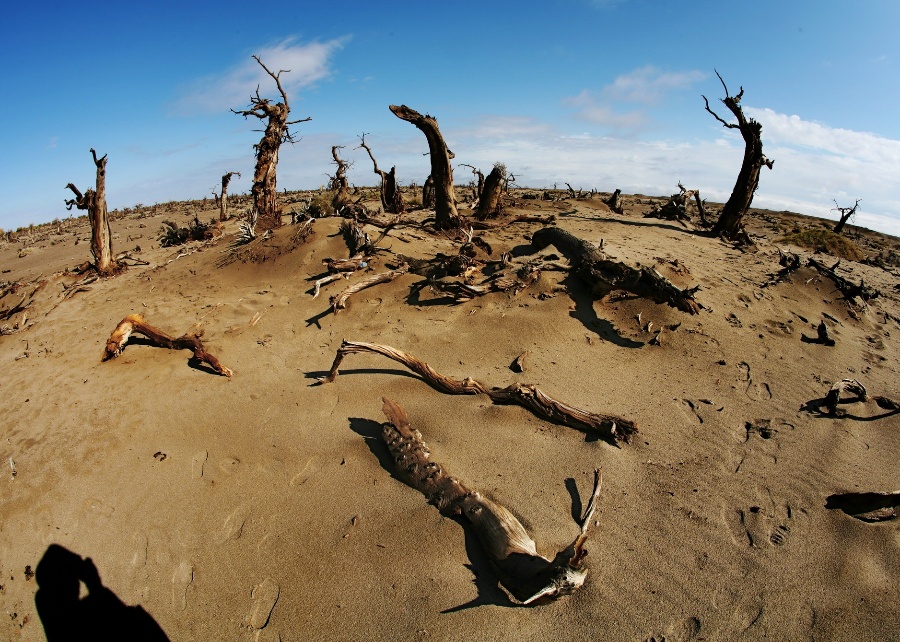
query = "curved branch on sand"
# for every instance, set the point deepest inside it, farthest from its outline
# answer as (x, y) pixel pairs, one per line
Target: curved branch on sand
(135, 324)
(526, 395)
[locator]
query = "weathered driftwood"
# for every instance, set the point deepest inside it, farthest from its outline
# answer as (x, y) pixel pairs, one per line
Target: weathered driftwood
(526, 395)
(614, 202)
(325, 280)
(854, 387)
(849, 289)
(94, 201)
(527, 575)
(603, 275)
(869, 507)
(489, 205)
(391, 198)
(135, 324)
(339, 302)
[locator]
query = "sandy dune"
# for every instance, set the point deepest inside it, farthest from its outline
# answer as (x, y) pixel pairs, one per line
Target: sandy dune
(259, 507)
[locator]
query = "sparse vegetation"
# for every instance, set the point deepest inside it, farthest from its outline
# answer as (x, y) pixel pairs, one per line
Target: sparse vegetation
(826, 242)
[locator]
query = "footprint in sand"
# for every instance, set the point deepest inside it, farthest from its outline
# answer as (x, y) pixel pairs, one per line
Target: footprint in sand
(197, 462)
(309, 469)
(264, 597)
(234, 523)
(679, 631)
(181, 580)
(229, 465)
(759, 527)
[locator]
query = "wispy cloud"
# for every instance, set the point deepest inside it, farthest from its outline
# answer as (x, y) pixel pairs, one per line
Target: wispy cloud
(307, 63)
(614, 105)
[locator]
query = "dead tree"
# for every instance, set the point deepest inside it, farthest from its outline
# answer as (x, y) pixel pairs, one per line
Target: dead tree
(445, 213)
(614, 202)
(94, 201)
(729, 222)
(339, 183)
(391, 199)
(479, 183)
(489, 200)
(264, 190)
(223, 198)
(847, 213)
(428, 192)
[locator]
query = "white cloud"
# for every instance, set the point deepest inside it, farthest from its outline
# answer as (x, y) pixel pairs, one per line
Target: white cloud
(307, 63)
(646, 86)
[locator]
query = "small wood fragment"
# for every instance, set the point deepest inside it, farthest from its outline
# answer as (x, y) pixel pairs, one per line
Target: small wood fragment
(518, 364)
(135, 324)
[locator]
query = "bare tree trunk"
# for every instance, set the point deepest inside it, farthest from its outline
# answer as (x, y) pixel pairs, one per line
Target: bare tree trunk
(729, 222)
(446, 215)
(391, 199)
(94, 201)
(265, 189)
(339, 181)
(428, 192)
(614, 202)
(489, 201)
(223, 199)
(846, 214)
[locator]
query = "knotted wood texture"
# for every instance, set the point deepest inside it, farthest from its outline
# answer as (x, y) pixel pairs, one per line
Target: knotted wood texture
(528, 575)
(604, 275)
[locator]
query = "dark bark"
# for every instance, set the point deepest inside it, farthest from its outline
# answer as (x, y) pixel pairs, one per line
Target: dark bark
(445, 213)
(391, 199)
(603, 275)
(846, 214)
(265, 189)
(428, 192)
(223, 198)
(614, 202)
(94, 201)
(489, 199)
(729, 222)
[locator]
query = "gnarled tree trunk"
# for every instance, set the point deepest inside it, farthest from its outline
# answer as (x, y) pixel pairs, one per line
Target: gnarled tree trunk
(264, 190)
(428, 192)
(445, 213)
(391, 199)
(339, 183)
(223, 198)
(489, 200)
(729, 222)
(94, 201)
(846, 214)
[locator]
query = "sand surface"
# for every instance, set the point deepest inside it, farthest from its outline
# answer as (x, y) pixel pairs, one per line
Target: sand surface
(259, 507)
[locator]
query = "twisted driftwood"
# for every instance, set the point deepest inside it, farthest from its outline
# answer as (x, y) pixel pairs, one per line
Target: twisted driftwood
(528, 575)
(603, 275)
(134, 323)
(833, 398)
(526, 395)
(339, 302)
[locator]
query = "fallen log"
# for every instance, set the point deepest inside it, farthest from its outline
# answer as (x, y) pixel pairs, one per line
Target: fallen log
(603, 275)
(526, 574)
(135, 324)
(849, 289)
(526, 395)
(339, 302)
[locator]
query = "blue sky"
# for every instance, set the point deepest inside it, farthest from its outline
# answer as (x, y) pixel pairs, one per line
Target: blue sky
(600, 93)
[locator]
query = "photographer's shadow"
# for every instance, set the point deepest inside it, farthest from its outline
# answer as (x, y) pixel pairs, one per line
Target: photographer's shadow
(100, 615)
